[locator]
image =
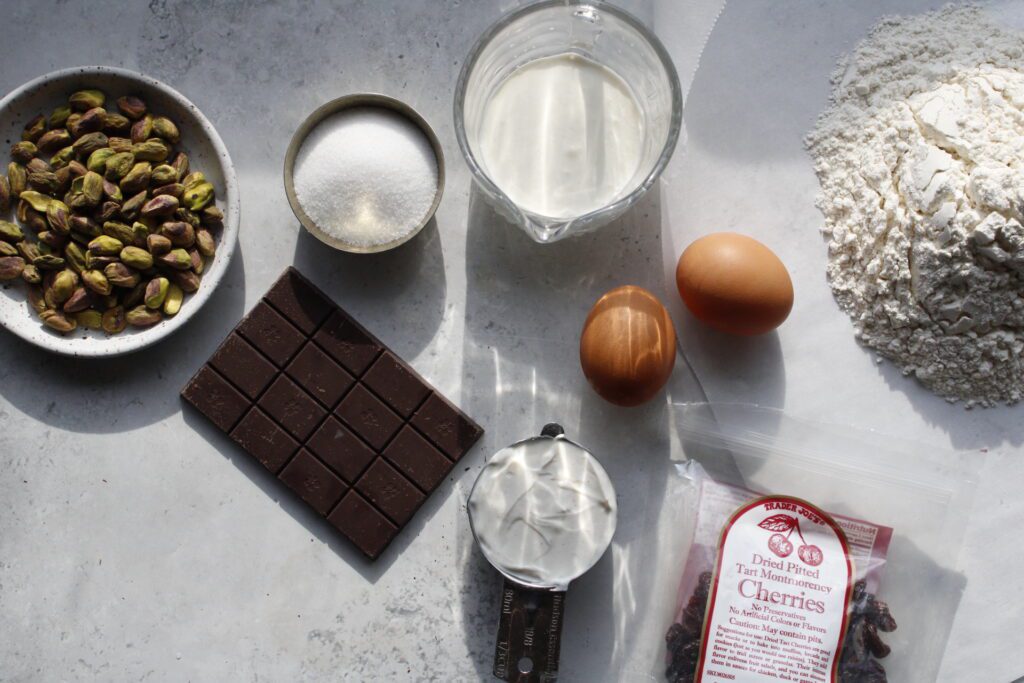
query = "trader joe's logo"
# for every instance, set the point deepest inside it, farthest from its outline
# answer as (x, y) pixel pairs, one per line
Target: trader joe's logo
(780, 543)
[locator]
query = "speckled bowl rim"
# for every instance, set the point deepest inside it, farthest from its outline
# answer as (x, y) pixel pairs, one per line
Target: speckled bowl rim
(362, 99)
(127, 343)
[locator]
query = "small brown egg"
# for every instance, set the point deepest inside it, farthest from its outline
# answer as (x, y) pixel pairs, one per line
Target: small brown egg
(628, 346)
(734, 284)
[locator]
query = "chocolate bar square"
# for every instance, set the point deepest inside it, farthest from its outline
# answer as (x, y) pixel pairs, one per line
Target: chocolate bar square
(344, 423)
(368, 417)
(264, 440)
(447, 426)
(270, 333)
(343, 451)
(390, 492)
(314, 483)
(396, 384)
(363, 524)
(216, 398)
(292, 408)
(243, 366)
(303, 304)
(314, 369)
(347, 342)
(417, 459)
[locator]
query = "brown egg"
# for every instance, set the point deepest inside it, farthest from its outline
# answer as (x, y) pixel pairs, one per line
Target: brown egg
(628, 346)
(735, 284)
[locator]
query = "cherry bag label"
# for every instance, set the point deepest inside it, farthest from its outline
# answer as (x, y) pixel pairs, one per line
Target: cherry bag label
(780, 593)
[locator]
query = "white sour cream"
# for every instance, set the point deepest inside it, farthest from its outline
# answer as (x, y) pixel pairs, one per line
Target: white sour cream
(543, 511)
(562, 136)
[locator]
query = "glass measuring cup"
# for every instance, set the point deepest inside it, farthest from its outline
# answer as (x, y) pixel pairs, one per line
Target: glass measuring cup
(543, 512)
(596, 31)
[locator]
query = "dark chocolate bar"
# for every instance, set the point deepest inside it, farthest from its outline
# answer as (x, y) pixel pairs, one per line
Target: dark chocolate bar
(333, 413)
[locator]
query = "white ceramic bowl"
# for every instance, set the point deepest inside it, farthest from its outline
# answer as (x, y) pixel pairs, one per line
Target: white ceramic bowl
(206, 152)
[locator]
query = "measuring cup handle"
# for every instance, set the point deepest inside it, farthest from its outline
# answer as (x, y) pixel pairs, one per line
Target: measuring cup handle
(552, 429)
(529, 634)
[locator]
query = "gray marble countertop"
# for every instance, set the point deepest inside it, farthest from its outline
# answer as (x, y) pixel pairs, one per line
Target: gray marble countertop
(136, 543)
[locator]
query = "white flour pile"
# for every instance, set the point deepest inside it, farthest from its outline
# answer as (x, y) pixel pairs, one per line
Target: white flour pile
(920, 160)
(366, 176)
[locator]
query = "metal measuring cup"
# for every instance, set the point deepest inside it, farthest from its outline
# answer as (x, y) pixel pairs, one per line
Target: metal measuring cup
(533, 605)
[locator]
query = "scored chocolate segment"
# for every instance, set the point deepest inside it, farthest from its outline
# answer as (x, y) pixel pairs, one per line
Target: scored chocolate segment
(446, 426)
(215, 398)
(292, 408)
(314, 369)
(417, 459)
(299, 301)
(271, 334)
(368, 417)
(343, 451)
(347, 343)
(243, 365)
(264, 440)
(390, 492)
(336, 416)
(362, 524)
(314, 483)
(393, 382)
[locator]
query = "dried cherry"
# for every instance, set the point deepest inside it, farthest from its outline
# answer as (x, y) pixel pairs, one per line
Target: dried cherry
(863, 646)
(858, 662)
(683, 638)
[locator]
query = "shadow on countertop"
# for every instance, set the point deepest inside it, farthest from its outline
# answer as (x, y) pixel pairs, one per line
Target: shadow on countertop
(750, 370)
(377, 288)
(757, 90)
(521, 369)
(122, 393)
(966, 428)
(316, 525)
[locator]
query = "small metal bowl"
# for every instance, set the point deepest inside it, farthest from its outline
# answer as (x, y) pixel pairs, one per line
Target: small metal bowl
(333, 107)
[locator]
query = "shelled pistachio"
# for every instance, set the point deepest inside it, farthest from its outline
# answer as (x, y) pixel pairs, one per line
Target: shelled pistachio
(24, 151)
(86, 99)
(58, 321)
(59, 117)
(113, 226)
(5, 194)
(34, 129)
(141, 316)
(172, 302)
(30, 273)
(11, 267)
(91, 319)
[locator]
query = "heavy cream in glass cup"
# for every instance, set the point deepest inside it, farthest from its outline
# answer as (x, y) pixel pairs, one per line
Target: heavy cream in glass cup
(567, 112)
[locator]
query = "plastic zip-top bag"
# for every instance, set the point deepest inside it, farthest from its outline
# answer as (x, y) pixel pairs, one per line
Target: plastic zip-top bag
(785, 550)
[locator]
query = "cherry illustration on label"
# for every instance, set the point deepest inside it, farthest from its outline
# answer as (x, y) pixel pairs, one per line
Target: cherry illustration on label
(780, 544)
(810, 554)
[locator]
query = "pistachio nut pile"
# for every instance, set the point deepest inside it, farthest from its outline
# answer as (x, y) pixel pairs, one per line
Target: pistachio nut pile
(122, 228)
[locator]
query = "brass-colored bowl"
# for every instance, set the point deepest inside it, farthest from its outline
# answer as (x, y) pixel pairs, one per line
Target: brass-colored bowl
(333, 107)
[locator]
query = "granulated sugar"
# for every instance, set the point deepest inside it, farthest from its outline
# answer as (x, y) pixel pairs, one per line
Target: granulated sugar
(921, 164)
(366, 176)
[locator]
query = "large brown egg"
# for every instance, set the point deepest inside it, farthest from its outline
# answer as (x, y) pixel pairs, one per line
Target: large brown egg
(628, 346)
(735, 284)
